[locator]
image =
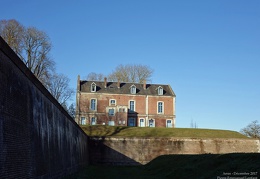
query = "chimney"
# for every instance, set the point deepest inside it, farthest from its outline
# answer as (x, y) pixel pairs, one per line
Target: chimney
(105, 82)
(144, 85)
(78, 83)
(118, 83)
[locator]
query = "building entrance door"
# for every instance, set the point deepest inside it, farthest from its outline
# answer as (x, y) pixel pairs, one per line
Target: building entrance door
(131, 122)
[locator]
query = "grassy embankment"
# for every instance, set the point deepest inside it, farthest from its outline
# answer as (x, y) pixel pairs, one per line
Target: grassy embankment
(175, 166)
(118, 131)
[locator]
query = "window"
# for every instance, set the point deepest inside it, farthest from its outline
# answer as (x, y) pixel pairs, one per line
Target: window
(112, 102)
(111, 123)
(122, 110)
(151, 123)
(83, 121)
(169, 123)
(142, 124)
(160, 107)
(133, 89)
(93, 121)
(93, 87)
(111, 112)
(160, 90)
(131, 122)
(131, 106)
(93, 103)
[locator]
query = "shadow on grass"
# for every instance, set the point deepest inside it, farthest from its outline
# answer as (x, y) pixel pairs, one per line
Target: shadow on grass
(182, 166)
(103, 131)
(117, 130)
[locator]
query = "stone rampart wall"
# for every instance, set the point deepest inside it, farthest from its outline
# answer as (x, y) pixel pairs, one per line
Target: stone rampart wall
(133, 151)
(38, 138)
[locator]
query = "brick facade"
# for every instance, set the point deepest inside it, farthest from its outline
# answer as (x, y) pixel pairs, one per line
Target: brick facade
(114, 103)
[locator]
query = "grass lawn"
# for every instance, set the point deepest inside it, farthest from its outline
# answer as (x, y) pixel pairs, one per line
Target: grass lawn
(174, 166)
(119, 131)
(181, 166)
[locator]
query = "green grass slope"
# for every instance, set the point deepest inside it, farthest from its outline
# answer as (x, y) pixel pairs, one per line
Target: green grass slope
(118, 131)
(182, 166)
(205, 166)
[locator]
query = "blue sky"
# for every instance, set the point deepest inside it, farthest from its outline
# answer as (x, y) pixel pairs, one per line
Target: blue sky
(208, 51)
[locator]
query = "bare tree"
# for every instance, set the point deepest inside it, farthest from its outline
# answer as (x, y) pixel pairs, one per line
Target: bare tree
(95, 76)
(59, 88)
(131, 73)
(252, 130)
(37, 47)
(31, 45)
(12, 32)
(72, 110)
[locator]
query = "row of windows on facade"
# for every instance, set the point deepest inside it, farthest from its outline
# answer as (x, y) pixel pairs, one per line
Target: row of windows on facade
(93, 106)
(132, 89)
(131, 122)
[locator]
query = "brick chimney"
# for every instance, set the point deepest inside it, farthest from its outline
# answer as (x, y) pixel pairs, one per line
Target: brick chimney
(78, 83)
(144, 85)
(118, 83)
(105, 82)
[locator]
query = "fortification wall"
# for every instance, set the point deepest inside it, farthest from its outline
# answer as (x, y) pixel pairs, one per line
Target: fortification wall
(134, 151)
(38, 139)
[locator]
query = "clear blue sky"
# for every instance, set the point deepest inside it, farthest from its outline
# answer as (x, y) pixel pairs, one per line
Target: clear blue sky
(207, 50)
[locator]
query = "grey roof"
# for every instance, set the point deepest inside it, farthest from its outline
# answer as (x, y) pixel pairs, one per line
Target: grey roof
(112, 88)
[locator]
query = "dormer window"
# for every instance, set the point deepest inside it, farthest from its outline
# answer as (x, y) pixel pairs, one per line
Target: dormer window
(93, 87)
(133, 89)
(160, 90)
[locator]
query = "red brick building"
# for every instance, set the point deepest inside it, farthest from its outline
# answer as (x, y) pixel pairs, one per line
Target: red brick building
(124, 104)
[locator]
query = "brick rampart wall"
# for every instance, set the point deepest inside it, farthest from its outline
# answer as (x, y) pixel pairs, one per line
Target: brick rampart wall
(134, 151)
(38, 139)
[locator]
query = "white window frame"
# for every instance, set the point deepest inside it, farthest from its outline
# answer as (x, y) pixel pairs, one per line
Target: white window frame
(153, 123)
(111, 114)
(123, 110)
(142, 122)
(91, 104)
(132, 110)
(170, 122)
(83, 119)
(111, 123)
(160, 90)
(112, 104)
(91, 121)
(93, 87)
(133, 89)
(162, 107)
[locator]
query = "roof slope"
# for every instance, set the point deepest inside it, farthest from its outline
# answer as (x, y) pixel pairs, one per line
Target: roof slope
(112, 88)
